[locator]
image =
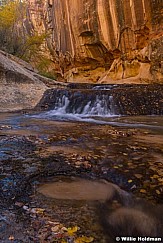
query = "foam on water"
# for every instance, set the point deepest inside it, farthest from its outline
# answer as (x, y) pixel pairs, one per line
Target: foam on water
(105, 87)
(101, 106)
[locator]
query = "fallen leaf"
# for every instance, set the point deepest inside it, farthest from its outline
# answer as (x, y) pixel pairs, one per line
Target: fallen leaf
(63, 229)
(84, 239)
(138, 176)
(155, 176)
(143, 191)
(55, 223)
(72, 230)
(158, 192)
(11, 237)
(55, 228)
(64, 241)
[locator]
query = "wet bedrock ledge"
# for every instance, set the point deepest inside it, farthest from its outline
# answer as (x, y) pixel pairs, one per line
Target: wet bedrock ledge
(120, 99)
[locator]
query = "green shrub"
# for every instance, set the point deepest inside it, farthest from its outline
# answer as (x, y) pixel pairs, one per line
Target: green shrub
(30, 47)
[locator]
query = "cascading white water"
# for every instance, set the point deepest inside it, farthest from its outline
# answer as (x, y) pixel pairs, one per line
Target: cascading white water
(60, 106)
(105, 87)
(76, 106)
(99, 107)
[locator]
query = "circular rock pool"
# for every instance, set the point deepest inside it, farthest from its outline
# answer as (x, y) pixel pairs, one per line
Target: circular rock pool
(78, 189)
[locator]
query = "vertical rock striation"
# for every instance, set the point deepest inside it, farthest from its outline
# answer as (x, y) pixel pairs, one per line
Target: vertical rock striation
(103, 40)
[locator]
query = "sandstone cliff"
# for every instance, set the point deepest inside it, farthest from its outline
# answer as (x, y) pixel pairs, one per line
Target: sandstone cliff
(103, 40)
(20, 87)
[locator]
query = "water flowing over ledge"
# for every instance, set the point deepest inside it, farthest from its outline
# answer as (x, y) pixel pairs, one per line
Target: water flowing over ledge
(76, 106)
(87, 101)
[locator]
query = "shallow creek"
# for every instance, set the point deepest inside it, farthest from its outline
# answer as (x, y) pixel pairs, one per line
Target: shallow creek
(65, 166)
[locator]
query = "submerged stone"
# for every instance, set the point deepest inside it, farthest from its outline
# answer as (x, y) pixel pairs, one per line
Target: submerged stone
(78, 189)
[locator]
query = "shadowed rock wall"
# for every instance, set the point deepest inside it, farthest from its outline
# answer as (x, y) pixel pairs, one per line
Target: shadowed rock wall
(103, 40)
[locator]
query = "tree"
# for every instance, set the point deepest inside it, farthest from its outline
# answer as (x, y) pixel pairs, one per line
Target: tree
(18, 37)
(32, 46)
(11, 20)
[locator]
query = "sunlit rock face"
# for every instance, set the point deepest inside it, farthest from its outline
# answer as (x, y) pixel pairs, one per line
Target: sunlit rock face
(103, 40)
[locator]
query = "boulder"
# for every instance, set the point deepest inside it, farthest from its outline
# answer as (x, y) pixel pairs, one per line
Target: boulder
(20, 86)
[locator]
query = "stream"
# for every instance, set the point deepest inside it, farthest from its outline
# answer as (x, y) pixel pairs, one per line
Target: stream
(50, 153)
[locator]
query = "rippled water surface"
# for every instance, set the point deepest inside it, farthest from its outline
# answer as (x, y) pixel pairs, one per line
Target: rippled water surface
(17, 120)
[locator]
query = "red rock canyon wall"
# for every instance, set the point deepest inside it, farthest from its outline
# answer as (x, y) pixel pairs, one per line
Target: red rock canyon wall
(103, 40)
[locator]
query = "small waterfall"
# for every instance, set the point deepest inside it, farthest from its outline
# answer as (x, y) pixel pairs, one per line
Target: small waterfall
(62, 104)
(99, 105)
(79, 104)
(100, 102)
